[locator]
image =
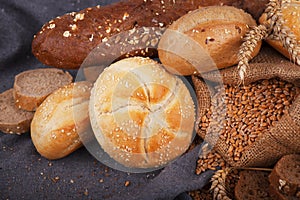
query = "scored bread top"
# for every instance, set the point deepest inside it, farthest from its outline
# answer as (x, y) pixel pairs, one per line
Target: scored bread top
(141, 115)
(12, 119)
(205, 39)
(59, 119)
(211, 14)
(31, 87)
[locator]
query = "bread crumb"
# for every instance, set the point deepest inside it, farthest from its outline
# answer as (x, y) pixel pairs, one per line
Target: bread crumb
(51, 26)
(127, 183)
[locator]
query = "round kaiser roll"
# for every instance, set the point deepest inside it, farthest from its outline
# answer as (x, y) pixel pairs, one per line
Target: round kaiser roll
(291, 17)
(59, 119)
(205, 39)
(141, 115)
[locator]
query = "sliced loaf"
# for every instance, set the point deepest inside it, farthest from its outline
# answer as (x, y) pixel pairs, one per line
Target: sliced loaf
(252, 185)
(12, 119)
(33, 86)
(285, 177)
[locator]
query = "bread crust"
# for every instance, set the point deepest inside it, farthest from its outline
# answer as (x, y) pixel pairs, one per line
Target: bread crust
(285, 176)
(13, 120)
(213, 36)
(54, 44)
(146, 118)
(291, 17)
(59, 119)
(31, 87)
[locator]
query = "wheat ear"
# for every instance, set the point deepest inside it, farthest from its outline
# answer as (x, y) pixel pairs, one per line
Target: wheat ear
(218, 186)
(252, 37)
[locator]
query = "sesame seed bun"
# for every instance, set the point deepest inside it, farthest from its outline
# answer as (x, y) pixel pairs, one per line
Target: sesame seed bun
(141, 115)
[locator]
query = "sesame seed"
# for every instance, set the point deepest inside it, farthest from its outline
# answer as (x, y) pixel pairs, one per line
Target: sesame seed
(91, 38)
(51, 26)
(126, 15)
(67, 34)
(79, 16)
(73, 27)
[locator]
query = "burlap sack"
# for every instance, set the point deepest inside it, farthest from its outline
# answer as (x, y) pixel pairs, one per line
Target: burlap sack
(282, 138)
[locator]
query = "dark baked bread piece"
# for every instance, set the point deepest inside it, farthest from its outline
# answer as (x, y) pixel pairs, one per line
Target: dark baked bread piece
(277, 195)
(12, 119)
(252, 185)
(31, 87)
(285, 177)
(66, 41)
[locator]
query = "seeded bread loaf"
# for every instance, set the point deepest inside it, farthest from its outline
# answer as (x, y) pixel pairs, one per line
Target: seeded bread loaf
(252, 185)
(205, 39)
(140, 119)
(12, 119)
(59, 119)
(66, 41)
(285, 177)
(33, 86)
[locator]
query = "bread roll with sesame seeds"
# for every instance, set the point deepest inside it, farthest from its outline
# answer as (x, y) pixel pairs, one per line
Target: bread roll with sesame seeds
(31, 87)
(205, 39)
(141, 115)
(59, 119)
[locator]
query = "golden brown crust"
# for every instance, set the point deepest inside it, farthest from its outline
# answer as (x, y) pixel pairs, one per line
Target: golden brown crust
(31, 87)
(57, 121)
(146, 118)
(291, 17)
(214, 36)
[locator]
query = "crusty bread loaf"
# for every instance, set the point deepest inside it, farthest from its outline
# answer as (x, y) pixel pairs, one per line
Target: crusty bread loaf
(252, 185)
(31, 87)
(141, 115)
(59, 119)
(205, 39)
(12, 119)
(285, 177)
(66, 41)
(291, 17)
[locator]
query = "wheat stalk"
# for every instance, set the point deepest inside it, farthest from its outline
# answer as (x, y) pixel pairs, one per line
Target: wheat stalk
(273, 28)
(252, 37)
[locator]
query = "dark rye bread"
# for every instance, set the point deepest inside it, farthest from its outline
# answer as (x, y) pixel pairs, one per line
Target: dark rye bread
(31, 87)
(65, 41)
(12, 119)
(252, 185)
(285, 176)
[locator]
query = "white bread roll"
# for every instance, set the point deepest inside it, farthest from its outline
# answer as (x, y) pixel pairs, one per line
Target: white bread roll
(141, 115)
(59, 119)
(205, 39)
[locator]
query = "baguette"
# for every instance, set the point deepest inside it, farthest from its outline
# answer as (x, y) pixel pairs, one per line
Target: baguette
(66, 41)
(12, 119)
(31, 87)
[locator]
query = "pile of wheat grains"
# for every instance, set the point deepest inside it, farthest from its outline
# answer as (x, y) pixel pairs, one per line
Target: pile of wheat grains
(238, 115)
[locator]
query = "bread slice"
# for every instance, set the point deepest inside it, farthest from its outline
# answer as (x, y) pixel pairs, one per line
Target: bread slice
(33, 86)
(277, 195)
(12, 119)
(252, 185)
(286, 176)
